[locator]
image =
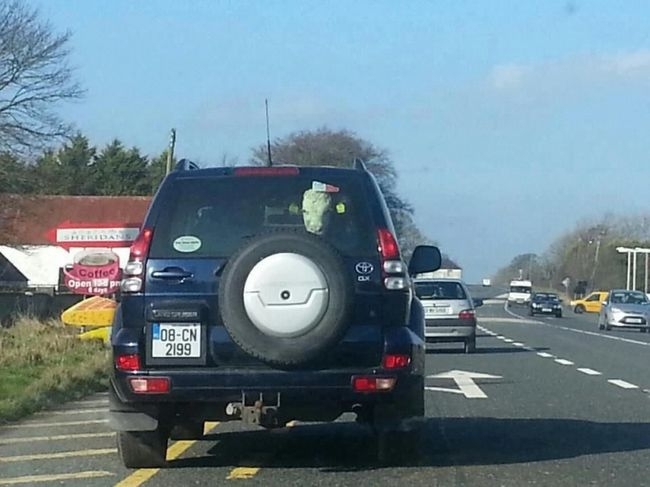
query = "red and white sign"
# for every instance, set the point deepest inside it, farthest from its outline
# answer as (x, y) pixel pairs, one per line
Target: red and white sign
(69, 234)
(94, 273)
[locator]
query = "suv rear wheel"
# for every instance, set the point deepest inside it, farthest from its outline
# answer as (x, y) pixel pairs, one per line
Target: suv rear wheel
(143, 449)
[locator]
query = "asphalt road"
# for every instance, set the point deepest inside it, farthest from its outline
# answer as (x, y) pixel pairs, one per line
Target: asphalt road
(558, 403)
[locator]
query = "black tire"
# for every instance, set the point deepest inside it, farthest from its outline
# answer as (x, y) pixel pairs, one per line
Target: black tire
(531, 312)
(399, 447)
(187, 431)
(579, 309)
(608, 328)
(558, 315)
(295, 350)
(470, 345)
(143, 449)
(601, 326)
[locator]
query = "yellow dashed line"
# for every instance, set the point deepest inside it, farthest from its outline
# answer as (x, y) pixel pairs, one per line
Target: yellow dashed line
(240, 473)
(140, 476)
(30, 479)
(64, 454)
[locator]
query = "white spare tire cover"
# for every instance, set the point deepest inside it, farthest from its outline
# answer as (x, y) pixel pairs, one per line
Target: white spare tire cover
(286, 295)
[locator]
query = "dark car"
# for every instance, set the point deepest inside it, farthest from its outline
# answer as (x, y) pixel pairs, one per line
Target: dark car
(265, 294)
(546, 304)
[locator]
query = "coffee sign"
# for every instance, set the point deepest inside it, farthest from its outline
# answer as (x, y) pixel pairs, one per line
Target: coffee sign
(94, 273)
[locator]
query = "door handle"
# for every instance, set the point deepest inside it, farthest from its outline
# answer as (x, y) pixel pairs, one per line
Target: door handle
(171, 273)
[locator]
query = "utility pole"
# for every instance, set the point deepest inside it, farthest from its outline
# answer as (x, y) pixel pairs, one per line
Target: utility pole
(170, 152)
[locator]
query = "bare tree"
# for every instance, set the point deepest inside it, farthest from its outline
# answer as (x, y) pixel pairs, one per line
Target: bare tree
(34, 78)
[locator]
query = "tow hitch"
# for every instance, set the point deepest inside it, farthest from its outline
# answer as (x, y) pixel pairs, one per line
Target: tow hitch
(256, 409)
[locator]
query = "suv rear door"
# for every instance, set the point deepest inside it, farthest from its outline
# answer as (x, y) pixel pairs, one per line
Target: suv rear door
(201, 219)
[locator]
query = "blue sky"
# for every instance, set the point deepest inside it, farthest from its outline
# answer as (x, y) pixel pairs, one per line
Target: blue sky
(508, 121)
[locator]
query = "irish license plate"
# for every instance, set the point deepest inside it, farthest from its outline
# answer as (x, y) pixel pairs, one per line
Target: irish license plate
(176, 340)
(546, 310)
(634, 320)
(442, 310)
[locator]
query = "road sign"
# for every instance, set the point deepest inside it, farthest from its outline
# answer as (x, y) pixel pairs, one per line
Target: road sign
(465, 382)
(70, 234)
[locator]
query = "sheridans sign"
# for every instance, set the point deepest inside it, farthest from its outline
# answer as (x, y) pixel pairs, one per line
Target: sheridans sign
(94, 272)
(83, 235)
(96, 269)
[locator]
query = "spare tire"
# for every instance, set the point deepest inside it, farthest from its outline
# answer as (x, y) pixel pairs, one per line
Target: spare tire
(286, 297)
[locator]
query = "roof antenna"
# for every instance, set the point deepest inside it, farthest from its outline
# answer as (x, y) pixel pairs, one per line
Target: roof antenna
(268, 133)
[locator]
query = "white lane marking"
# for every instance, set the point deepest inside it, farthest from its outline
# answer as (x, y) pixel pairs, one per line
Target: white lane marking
(508, 340)
(29, 439)
(589, 371)
(72, 411)
(491, 319)
(622, 384)
(563, 361)
(545, 355)
(30, 479)
(63, 454)
(89, 403)
(48, 425)
(501, 337)
(465, 382)
(530, 349)
(518, 344)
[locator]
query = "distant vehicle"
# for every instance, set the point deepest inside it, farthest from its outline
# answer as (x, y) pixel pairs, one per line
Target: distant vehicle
(625, 309)
(487, 282)
(520, 291)
(546, 303)
(449, 311)
(590, 304)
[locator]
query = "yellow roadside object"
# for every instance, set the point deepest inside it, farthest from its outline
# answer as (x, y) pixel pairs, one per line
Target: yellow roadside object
(95, 312)
(103, 334)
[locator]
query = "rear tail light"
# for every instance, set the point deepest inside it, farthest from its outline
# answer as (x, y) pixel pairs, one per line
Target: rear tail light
(128, 362)
(467, 314)
(388, 248)
(394, 270)
(396, 361)
(133, 278)
(150, 385)
(373, 384)
(266, 171)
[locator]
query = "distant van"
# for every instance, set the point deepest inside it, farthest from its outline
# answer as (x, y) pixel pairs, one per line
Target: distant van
(520, 292)
(487, 282)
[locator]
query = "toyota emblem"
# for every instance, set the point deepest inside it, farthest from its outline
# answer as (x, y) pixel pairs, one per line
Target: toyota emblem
(364, 268)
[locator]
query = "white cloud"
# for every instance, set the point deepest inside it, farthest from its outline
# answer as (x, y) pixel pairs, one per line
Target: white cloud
(573, 72)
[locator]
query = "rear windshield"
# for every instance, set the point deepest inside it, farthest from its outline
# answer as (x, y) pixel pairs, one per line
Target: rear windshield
(213, 217)
(439, 290)
(520, 289)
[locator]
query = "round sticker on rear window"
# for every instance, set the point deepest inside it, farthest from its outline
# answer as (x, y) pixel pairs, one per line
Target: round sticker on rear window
(187, 244)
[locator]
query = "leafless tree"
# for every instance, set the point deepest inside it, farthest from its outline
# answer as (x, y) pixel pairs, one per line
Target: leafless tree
(35, 77)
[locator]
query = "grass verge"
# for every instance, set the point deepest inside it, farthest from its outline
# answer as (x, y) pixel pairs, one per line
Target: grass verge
(43, 363)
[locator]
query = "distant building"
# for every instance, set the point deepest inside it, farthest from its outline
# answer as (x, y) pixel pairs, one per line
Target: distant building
(28, 259)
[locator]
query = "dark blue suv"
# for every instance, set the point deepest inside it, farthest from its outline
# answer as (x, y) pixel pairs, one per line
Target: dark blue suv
(264, 294)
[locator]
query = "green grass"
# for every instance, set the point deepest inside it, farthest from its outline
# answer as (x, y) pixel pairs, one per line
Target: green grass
(44, 363)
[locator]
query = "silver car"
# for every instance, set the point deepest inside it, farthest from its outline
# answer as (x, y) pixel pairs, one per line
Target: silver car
(449, 311)
(625, 309)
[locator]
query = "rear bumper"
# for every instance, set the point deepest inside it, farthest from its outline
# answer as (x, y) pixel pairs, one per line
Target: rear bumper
(449, 329)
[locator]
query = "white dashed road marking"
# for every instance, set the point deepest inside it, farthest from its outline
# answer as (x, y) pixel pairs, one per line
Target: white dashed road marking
(563, 361)
(518, 344)
(622, 384)
(589, 371)
(508, 340)
(545, 355)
